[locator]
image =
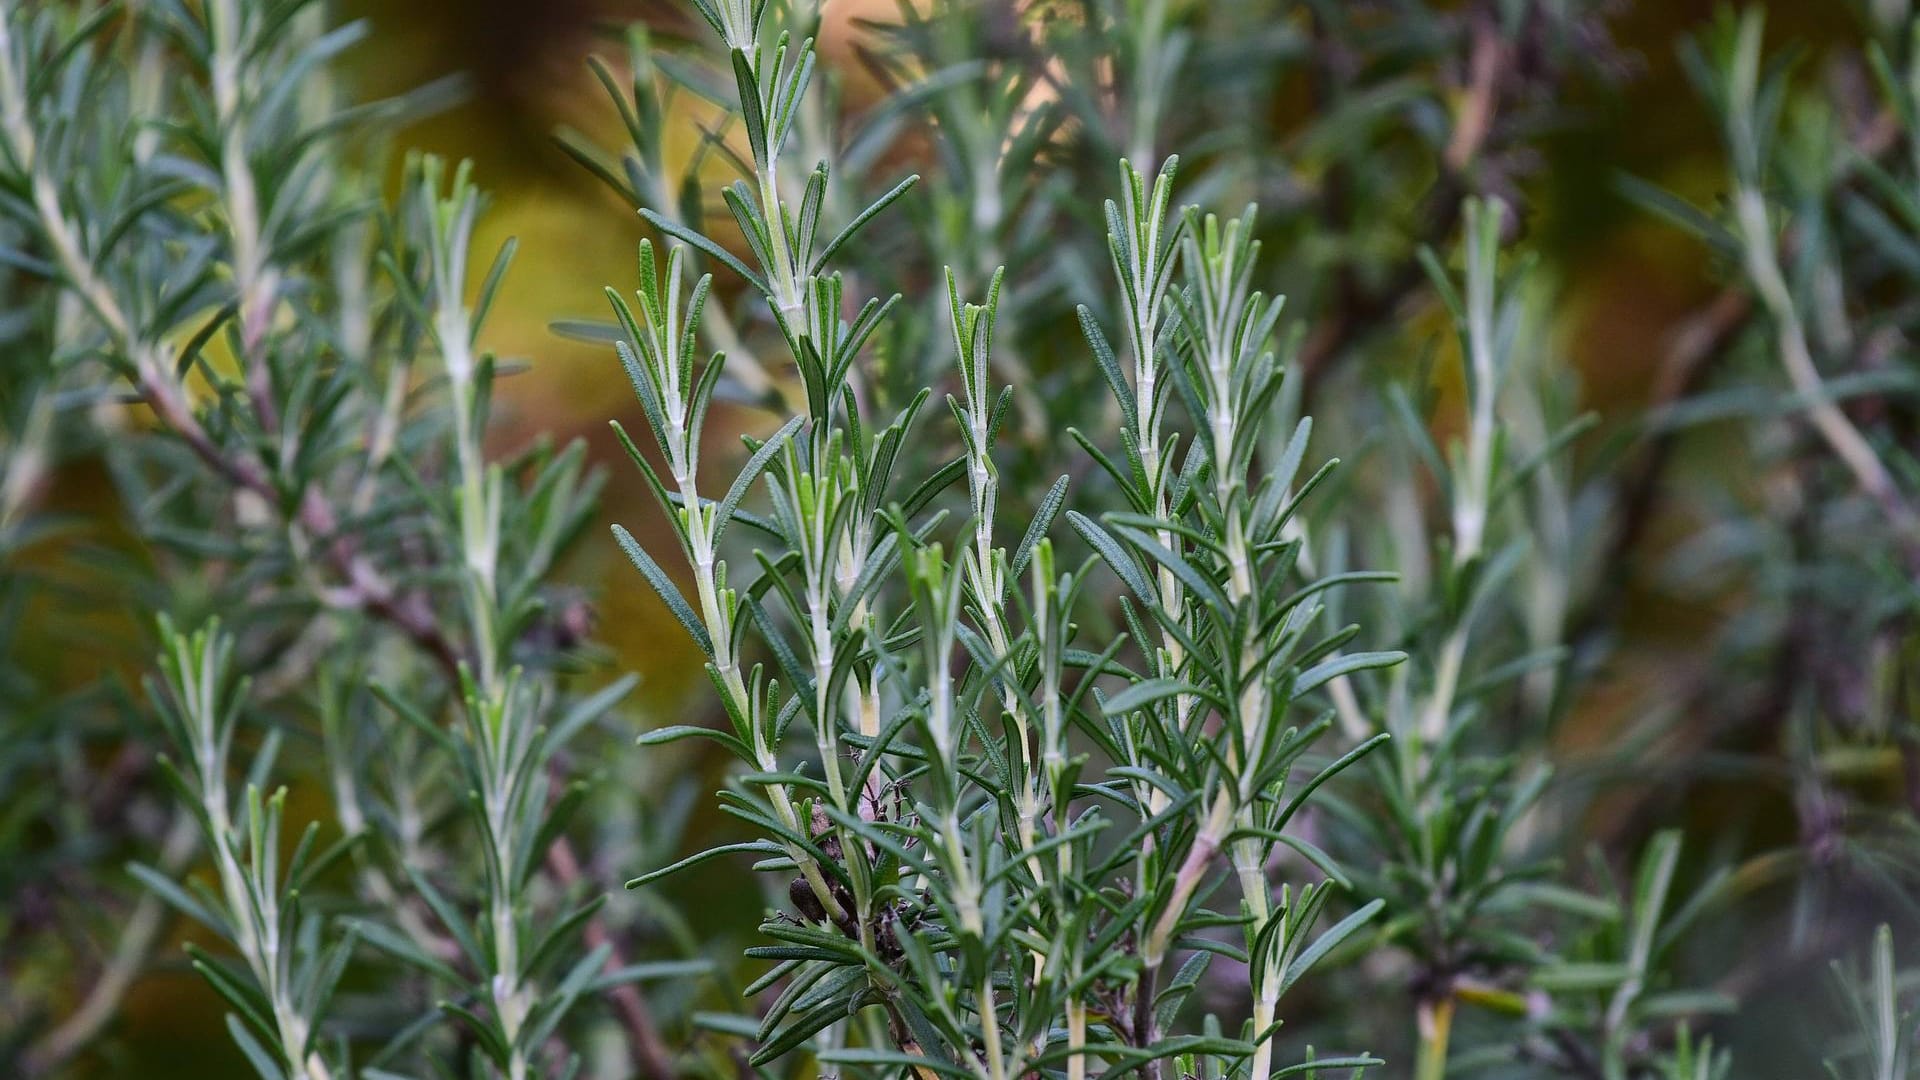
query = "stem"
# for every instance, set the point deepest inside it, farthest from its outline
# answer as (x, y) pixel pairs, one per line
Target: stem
(479, 501)
(984, 566)
(990, 1028)
(28, 457)
(1076, 1039)
(1187, 879)
(253, 904)
(1796, 356)
(1446, 681)
(365, 589)
(661, 348)
(1143, 995)
(1249, 859)
(1475, 487)
(1435, 1020)
(254, 280)
(652, 1055)
(505, 740)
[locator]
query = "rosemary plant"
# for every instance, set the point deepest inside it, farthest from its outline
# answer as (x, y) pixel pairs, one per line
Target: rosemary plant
(207, 251)
(1879, 1005)
(1442, 841)
(1814, 227)
(1046, 720)
(1457, 831)
(954, 908)
(290, 965)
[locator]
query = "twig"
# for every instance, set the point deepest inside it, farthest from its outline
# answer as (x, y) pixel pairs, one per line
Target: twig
(1475, 117)
(366, 589)
(1694, 347)
(1796, 357)
(1143, 1035)
(650, 1053)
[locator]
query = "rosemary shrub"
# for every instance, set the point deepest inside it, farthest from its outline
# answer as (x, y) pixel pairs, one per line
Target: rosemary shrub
(955, 908)
(385, 580)
(1087, 727)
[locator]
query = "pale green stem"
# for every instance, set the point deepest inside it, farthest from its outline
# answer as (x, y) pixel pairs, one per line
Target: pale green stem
(1796, 357)
(990, 1029)
(1188, 878)
(1435, 1022)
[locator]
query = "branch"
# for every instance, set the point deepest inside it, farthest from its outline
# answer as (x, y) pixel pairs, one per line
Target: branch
(1474, 119)
(366, 589)
(1694, 347)
(650, 1053)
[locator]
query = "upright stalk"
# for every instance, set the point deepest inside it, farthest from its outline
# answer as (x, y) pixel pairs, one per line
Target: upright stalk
(201, 704)
(1760, 258)
(1473, 478)
(500, 721)
(1435, 1028)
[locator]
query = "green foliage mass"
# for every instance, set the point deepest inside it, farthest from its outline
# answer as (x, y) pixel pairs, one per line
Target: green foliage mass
(1227, 682)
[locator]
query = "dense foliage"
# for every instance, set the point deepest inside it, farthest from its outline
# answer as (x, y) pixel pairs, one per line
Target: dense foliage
(1115, 719)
